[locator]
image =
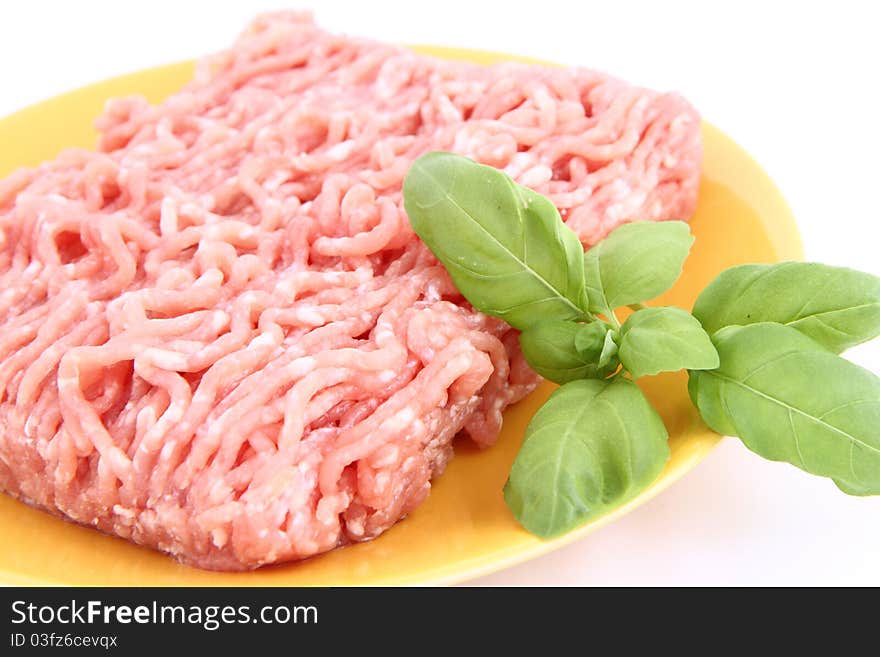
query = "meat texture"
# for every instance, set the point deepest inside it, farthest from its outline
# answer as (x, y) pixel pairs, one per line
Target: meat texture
(220, 336)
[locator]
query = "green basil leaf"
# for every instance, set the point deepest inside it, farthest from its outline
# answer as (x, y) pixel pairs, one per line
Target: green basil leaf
(505, 247)
(590, 447)
(836, 306)
(589, 340)
(635, 262)
(789, 399)
(595, 342)
(549, 347)
(664, 339)
(564, 351)
(608, 357)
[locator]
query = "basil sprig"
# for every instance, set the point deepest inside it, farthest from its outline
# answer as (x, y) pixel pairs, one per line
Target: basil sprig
(760, 348)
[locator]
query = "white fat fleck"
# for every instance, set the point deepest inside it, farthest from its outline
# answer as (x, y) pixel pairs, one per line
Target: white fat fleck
(146, 417)
(341, 150)
(120, 510)
(166, 360)
(190, 208)
(519, 163)
(463, 137)
(262, 340)
(614, 213)
(207, 201)
(274, 181)
(213, 233)
(65, 382)
(218, 490)
(174, 413)
(400, 420)
(629, 205)
(219, 320)
(620, 188)
(32, 268)
(536, 176)
(286, 288)
(302, 366)
(432, 292)
(387, 457)
(678, 124)
(383, 333)
(266, 132)
(212, 278)
(219, 537)
(355, 526)
(310, 316)
(249, 298)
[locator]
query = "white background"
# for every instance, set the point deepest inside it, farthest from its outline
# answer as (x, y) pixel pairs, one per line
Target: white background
(795, 83)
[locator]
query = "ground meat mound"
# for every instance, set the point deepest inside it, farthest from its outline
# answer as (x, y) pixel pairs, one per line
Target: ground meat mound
(220, 336)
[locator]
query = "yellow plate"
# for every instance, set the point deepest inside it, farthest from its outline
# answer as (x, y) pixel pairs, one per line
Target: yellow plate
(463, 530)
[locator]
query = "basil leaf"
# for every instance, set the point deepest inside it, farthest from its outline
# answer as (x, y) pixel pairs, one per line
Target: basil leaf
(635, 262)
(564, 351)
(789, 399)
(595, 342)
(505, 247)
(550, 349)
(590, 447)
(589, 341)
(836, 306)
(608, 357)
(664, 339)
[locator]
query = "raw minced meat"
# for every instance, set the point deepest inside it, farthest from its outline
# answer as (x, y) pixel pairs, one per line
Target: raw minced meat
(221, 337)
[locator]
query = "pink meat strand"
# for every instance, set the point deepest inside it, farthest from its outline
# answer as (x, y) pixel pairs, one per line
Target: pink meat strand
(221, 337)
